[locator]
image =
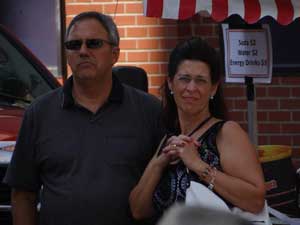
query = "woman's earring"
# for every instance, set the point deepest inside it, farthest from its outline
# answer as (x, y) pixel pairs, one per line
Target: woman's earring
(211, 97)
(171, 92)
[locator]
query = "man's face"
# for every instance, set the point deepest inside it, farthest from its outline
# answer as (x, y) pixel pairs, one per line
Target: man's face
(91, 63)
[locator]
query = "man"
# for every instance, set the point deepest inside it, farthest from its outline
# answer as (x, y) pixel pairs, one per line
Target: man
(86, 143)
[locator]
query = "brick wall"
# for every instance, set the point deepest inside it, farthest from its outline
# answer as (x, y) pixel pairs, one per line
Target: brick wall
(146, 42)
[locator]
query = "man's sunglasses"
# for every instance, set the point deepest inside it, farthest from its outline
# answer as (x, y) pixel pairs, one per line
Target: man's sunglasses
(90, 43)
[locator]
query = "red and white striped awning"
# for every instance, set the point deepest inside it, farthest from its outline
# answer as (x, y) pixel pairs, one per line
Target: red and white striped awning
(284, 11)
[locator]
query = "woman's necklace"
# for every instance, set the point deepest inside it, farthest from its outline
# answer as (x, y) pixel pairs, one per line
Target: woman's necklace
(192, 132)
(200, 125)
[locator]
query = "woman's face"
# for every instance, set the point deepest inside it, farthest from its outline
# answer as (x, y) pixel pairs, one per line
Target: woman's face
(192, 87)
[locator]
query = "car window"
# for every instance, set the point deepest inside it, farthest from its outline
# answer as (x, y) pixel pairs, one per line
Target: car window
(20, 82)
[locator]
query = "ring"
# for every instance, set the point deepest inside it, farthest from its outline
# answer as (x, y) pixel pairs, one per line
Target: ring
(173, 145)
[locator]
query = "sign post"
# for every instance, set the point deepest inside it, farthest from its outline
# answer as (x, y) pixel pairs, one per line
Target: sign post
(251, 113)
(248, 60)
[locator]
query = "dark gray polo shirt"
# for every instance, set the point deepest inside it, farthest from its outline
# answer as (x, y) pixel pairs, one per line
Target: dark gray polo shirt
(87, 163)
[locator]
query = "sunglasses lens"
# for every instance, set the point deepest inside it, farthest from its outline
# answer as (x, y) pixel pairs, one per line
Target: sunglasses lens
(90, 43)
(73, 44)
(94, 43)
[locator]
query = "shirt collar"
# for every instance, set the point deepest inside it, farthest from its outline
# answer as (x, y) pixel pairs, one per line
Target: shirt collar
(116, 93)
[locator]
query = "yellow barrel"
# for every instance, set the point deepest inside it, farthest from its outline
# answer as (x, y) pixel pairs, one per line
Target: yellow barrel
(280, 177)
(269, 153)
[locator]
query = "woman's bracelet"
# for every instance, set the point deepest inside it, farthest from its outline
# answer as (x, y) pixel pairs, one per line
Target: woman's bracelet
(209, 172)
(213, 177)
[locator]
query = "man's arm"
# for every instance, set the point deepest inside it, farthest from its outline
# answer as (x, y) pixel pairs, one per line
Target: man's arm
(24, 207)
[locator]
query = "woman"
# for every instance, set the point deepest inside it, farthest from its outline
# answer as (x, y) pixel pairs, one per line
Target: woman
(216, 152)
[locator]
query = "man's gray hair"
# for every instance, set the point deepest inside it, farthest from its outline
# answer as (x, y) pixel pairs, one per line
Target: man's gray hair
(106, 21)
(180, 214)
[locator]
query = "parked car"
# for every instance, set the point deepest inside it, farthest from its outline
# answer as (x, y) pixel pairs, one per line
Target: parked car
(22, 79)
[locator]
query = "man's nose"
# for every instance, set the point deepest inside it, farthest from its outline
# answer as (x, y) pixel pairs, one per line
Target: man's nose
(83, 49)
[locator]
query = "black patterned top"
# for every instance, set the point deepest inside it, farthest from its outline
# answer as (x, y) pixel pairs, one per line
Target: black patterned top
(175, 179)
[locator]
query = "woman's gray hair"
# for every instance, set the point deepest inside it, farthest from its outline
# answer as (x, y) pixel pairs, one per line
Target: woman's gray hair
(105, 20)
(180, 214)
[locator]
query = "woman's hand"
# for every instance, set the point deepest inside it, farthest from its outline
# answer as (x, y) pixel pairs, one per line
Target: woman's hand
(162, 160)
(185, 148)
(190, 156)
(172, 144)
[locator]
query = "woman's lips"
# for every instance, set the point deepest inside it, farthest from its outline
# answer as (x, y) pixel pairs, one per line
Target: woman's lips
(189, 98)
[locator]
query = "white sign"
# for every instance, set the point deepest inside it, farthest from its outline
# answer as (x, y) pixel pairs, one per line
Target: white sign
(248, 52)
